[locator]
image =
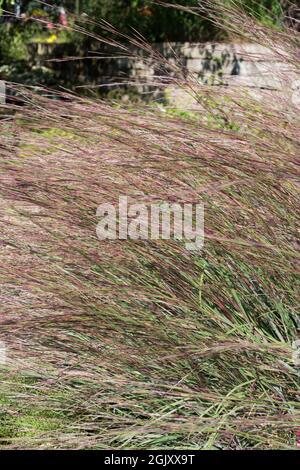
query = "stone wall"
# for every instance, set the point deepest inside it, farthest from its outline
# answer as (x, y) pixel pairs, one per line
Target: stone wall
(231, 64)
(238, 64)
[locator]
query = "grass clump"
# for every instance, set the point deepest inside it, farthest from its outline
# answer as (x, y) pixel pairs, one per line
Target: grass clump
(143, 344)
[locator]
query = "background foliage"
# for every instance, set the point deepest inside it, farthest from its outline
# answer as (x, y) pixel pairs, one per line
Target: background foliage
(155, 22)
